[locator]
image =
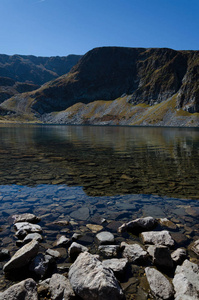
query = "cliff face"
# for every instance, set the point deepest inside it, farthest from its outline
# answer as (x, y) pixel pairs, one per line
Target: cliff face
(146, 76)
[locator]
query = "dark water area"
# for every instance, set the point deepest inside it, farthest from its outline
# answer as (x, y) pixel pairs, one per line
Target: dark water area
(83, 174)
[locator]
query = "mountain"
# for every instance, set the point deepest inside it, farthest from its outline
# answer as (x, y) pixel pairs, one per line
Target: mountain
(151, 81)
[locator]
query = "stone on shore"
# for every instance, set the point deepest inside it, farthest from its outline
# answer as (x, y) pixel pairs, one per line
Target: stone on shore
(195, 247)
(91, 280)
(28, 227)
(179, 256)
(109, 250)
(54, 253)
(62, 241)
(160, 255)
(138, 225)
(157, 238)
(75, 249)
(133, 252)
(105, 237)
(4, 253)
(118, 265)
(32, 236)
(60, 288)
(40, 264)
(26, 217)
(22, 257)
(25, 290)
(186, 281)
(160, 286)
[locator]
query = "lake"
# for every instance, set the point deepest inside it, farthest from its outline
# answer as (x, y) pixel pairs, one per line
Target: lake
(83, 174)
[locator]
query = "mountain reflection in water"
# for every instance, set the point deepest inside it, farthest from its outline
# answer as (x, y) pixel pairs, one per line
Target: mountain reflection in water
(105, 160)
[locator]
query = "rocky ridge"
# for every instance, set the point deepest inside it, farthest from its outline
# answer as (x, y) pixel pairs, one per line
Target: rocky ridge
(156, 86)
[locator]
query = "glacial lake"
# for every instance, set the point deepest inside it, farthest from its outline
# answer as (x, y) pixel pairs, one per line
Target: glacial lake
(83, 174)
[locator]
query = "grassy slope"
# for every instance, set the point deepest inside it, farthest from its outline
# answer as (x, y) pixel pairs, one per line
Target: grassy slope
(120, 112)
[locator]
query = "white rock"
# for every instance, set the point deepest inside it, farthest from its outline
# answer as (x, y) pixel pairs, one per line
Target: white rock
(60, 288)
(160, 286)
(179, 255)
(157, 238)
(22, 257)
(139, 225)
(91, 280)
(33, 236)
(62, 241)
(186, 281)
(133, 252)
(105, 237)
(25, 290)
(28, 227)
(195, 247)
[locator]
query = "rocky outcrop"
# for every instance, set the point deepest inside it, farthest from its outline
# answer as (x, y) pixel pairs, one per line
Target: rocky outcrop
(91, 280)
(25, 290)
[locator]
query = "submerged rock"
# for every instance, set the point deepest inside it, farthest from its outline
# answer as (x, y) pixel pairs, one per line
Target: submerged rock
(167, 223)
(105, 237)
(157, 238)
(82, 213)
(186, 281)
(60, 288)
(138, 225)
(91, 280)
(133, 252)
(22, 257)
(25, 290)
(160, 286)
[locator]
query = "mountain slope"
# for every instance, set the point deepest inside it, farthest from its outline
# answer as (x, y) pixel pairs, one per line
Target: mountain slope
(147, 76)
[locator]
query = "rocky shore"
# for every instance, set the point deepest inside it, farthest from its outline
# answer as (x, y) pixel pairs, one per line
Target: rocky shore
(153, 268)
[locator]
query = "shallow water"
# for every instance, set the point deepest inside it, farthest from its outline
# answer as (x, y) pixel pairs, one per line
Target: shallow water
(86, 173)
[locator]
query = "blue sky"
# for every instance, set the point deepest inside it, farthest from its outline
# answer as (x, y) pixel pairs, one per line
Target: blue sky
(62, 27)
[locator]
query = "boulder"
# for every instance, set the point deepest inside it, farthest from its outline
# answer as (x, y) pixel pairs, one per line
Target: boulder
(138, 225)
(109, 250)
(105, 237)
(160, 255)
(179, 255)
(22, 257)
(31, 218)
(91, 280)
(25, 290)
(186, 281)
(157, 238)
(133, 252)
(195, 247)
(60, 288)
(159, 285)
(118, 265)
(75, 249)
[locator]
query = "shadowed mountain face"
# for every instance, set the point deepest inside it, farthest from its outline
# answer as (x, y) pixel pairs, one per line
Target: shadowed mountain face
(36, 70)
(149, 75)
